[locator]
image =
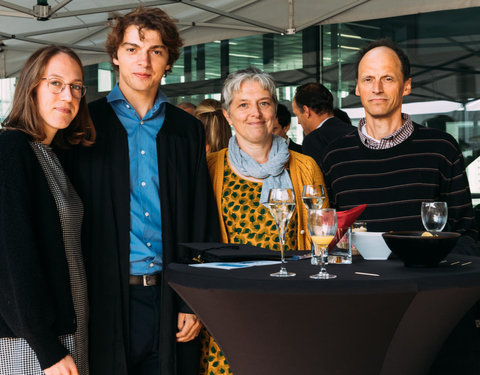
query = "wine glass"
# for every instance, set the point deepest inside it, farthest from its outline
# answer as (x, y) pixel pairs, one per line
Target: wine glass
(281, 203)
(313, 197)
(434, 216)
(322, 225)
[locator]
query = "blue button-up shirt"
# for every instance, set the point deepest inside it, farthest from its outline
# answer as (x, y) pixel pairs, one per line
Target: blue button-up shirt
(145, 216)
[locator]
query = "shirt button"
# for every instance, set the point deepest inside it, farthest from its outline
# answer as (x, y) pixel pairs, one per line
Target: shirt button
(147, 214)
(141, 122)
(302, 232)
(142, 152)
(143, 183)
(151, 265)
(149, 244)
(127, 106)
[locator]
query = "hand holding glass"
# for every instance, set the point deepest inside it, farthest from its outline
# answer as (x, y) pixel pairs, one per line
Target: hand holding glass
(322, 225)
(434, 216)
(281, 203)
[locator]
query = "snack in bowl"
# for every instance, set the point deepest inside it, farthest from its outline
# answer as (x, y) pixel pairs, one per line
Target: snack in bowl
(417, 250)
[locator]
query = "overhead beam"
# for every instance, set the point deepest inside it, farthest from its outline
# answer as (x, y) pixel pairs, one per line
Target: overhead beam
(232, 9)
(5, 36)
(333, 13)
(16, 7)
(7, 13)
(88, 35)
(222, 26)
(62, 29)
(232, 16)
(57, 7)
(114, 8)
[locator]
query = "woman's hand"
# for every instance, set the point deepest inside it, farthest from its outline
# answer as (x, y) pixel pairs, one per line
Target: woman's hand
(66, 366)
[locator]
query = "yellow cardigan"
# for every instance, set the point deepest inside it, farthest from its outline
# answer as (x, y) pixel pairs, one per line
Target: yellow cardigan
(303, 171)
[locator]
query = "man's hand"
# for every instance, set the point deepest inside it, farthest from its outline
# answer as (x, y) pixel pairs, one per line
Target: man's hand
(66, 366)
(188, 327)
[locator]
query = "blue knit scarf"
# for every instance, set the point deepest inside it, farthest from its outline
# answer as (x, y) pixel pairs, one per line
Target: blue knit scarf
(272, 172)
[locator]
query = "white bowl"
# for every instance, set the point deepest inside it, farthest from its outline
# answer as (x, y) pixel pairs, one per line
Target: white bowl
(371, 245)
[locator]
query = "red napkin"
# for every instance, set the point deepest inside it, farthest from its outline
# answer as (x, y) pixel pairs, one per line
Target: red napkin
(345, 220)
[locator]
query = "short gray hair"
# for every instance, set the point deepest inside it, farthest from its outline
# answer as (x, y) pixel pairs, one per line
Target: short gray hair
(236, 79)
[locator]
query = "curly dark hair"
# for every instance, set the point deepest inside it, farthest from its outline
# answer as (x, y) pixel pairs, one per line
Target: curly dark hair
(150, 19)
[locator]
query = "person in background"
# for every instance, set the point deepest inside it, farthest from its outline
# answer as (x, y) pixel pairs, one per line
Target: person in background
(282, 126)
(313, 106)
(217, 130)
(146, 189)
(242, 175)
(187, 107)
(43, 287)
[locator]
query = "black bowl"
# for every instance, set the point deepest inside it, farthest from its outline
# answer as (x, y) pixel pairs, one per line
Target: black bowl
(418, 251)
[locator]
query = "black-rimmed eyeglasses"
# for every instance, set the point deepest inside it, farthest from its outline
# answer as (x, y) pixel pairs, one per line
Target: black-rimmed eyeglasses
(56, 86)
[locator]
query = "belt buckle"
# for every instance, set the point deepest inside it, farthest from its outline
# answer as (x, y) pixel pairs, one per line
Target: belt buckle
(146, 280)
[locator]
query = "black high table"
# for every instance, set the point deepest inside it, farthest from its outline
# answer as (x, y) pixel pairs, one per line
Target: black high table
(391, 324)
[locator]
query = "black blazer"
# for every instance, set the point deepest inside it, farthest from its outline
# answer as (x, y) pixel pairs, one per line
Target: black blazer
(35, 298)
(316, 142)
(101, 176)
(294, 146)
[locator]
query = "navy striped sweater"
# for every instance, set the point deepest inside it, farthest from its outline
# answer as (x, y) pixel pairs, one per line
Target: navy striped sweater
(428, 166)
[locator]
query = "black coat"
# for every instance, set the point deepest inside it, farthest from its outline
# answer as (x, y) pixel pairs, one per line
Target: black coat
(35, 297)
(101, 175)
(315, 143)
(294, 146)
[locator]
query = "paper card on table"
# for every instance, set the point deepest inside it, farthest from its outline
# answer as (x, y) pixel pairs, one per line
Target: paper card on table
(235, 265)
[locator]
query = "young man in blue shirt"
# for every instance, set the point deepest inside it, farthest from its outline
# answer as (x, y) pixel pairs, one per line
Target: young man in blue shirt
(146, 188)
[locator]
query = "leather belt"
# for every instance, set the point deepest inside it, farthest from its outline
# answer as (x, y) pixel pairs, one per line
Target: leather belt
(146, 280)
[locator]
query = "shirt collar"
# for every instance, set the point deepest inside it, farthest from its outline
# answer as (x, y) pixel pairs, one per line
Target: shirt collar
(116, 95)
(389, 141)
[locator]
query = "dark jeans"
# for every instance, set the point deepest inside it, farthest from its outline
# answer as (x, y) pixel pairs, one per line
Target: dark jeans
(145, 310)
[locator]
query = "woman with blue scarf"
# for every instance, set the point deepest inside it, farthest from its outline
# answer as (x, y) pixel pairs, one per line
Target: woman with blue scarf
(243, 174)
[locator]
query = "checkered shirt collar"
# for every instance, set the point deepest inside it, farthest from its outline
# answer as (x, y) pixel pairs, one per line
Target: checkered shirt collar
(389, 141)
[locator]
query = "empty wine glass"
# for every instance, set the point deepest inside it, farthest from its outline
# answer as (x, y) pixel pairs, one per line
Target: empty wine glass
(322, 225)
(434, 216)
(281, 203)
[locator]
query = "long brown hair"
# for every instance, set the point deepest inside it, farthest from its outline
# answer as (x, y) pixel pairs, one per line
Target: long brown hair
(25, 116)
(217, 129)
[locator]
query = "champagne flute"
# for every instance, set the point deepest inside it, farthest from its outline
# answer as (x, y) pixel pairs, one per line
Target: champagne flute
(281, 203)
(313, 197)
(322, 225)
(434, 216)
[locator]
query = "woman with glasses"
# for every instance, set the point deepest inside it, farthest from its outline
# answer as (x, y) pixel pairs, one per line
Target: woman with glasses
(43, 295)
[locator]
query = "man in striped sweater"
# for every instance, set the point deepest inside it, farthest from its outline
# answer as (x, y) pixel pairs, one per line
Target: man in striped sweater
(391, 163)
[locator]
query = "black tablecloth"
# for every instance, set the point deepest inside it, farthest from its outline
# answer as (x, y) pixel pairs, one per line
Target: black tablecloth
(354, 324)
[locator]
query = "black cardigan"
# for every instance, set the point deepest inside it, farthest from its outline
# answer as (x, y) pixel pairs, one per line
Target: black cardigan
(101, 176)
(35, 297)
